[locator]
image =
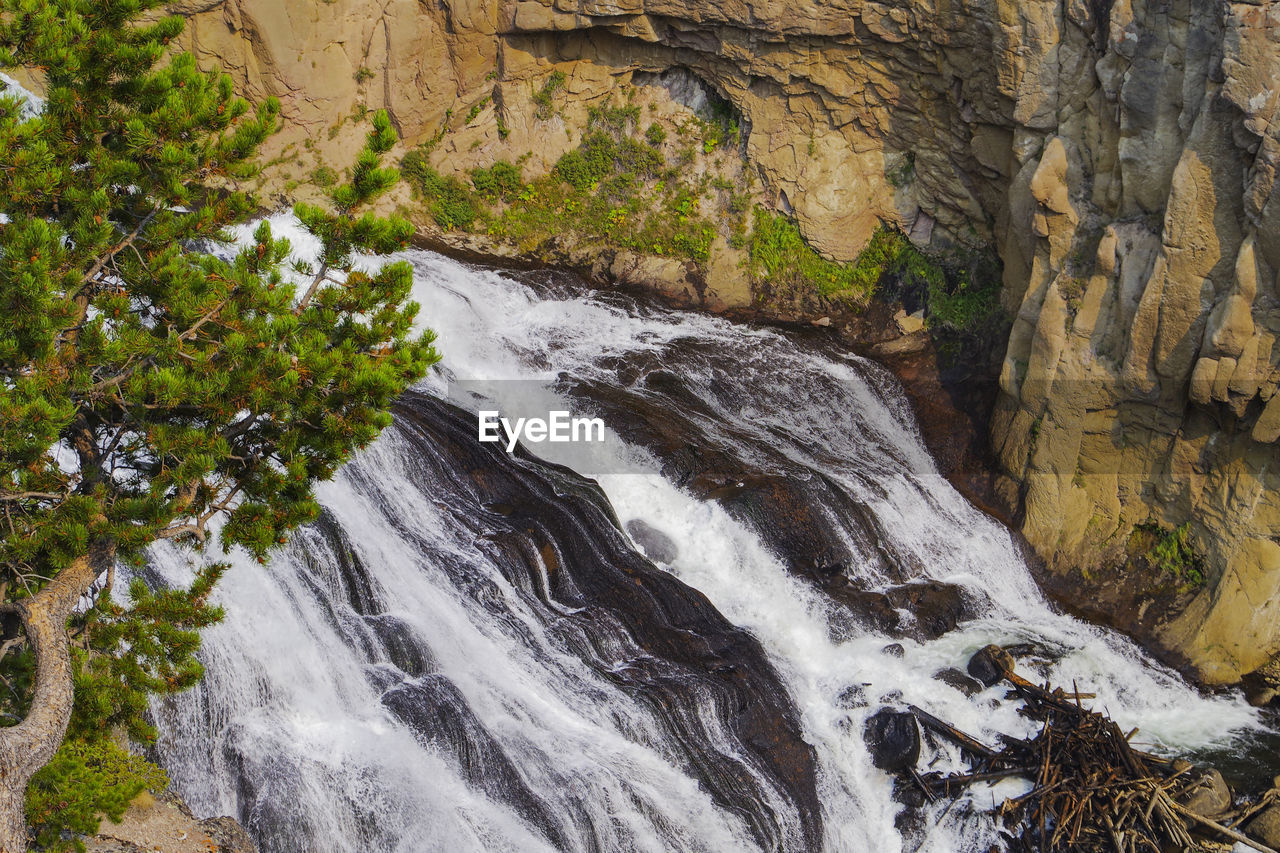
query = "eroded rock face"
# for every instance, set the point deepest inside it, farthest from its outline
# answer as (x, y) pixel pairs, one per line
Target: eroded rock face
(1140, 371)
(1121, 154)
(416, 58)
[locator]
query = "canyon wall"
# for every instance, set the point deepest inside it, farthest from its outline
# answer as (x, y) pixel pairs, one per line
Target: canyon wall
(1141, 256)
(1120, 154)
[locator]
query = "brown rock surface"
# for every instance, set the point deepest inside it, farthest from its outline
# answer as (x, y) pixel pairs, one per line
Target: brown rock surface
(166, 825)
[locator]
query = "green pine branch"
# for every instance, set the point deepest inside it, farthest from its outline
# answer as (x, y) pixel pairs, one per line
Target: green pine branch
(149, 386)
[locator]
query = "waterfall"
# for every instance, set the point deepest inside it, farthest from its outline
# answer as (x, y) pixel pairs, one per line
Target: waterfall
(470, 650)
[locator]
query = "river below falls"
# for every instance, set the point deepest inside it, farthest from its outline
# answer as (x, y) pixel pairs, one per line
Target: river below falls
(669, 640)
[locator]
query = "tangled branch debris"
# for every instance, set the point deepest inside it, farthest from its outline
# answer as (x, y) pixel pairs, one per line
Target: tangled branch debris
(1093, 792)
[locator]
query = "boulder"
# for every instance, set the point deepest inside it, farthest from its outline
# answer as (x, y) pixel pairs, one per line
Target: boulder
(1262, 686)
(853, 696)
(1265, 827)
(937, 606)
(1210, 795)
(894, 739)
(989, 664)
(229, 835)
(1257, 692)
(957, 679)
(655, 544)
(909, 324)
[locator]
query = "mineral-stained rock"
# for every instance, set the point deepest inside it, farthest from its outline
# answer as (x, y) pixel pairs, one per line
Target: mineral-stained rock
(1265, 827)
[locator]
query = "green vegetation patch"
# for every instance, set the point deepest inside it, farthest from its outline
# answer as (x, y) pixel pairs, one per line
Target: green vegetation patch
(85, 780)
(606, 155)
(780, 257)
(449, 201)
(324, 177)
(499, 181)
(478, 108)
(1171, 552)
(543, 98)
(717, 127)
(966, 297)
(615, 187)
(961, 292)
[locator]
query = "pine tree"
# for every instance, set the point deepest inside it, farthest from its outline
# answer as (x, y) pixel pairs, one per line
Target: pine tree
(148, 385)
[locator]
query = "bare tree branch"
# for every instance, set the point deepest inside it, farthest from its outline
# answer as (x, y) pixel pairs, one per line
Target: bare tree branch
(15, 497)
(123, 244)
(311, 291)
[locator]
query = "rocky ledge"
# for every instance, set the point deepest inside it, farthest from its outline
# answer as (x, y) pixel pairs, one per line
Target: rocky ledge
(165, 824)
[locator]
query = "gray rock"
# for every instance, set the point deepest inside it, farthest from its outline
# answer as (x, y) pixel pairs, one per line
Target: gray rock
(957, 679)
(229, 835)
(655, 544)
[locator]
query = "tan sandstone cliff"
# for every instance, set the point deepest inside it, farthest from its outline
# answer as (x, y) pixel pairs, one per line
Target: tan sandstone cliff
(1119, 153)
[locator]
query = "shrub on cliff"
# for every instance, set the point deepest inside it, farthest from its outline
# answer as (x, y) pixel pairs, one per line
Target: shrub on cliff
(965, 298)
(448, 199)
(499, 181)
(613, 189)
(961, 291)
(85, 780)
(1170, 551)
(149, 386)
(542, 98)
(601, 155)
(780, 257)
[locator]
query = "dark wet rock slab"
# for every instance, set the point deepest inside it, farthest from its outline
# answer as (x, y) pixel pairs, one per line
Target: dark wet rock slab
(893, 737)
(819, 531)
(438, 714)
(556, 538)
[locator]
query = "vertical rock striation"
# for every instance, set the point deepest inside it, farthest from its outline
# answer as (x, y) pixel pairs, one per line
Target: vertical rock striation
(1141, 256)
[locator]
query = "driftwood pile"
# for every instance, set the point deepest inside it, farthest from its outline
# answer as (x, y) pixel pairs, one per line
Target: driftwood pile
(1093, 792)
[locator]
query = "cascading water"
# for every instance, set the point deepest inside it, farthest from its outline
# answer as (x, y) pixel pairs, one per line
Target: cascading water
(467, 653)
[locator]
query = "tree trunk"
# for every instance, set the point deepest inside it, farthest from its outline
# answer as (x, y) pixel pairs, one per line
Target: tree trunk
(13, 820)
(28, 746)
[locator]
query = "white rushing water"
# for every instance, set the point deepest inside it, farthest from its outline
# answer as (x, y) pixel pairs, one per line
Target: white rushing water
(30, 104)
(288, 732)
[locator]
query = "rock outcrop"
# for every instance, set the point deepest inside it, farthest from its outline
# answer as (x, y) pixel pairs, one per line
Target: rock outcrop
(1120, 154)
(166, 824)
